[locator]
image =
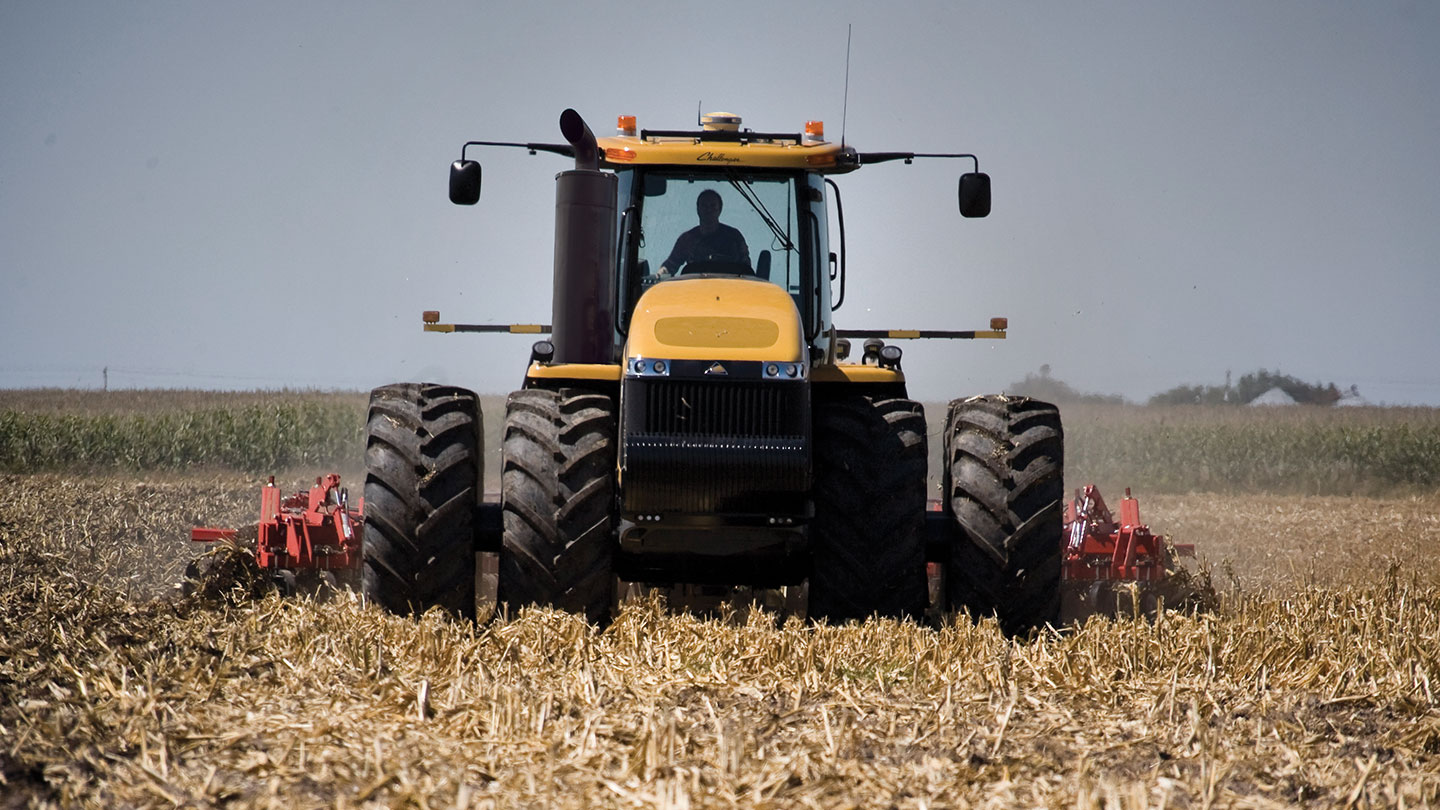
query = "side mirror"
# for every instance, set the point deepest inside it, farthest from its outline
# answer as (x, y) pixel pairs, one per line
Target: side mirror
(974, 194)
(464, 182)
(655, 185)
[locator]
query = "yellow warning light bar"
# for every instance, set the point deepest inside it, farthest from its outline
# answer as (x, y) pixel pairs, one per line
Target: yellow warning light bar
(431, 320)
(919, 334)
(510, 328)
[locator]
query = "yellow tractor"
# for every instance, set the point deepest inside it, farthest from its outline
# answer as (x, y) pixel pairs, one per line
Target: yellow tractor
(694, 416)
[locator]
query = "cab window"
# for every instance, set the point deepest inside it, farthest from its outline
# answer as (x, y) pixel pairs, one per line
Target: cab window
(720, 223)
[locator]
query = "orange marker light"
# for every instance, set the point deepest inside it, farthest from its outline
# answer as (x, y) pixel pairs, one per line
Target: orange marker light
(814, 131)
(625, 124)
(430, 316)
(999, 324)
(612, 154)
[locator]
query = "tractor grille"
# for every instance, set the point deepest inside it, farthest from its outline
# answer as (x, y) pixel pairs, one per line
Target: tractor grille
(716, 409)
(716, 446)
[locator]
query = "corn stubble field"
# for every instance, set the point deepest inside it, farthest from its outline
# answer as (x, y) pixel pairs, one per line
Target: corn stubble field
(1313, 683)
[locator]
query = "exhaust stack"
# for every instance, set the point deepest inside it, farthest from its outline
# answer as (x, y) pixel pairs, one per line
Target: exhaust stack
(583, 317)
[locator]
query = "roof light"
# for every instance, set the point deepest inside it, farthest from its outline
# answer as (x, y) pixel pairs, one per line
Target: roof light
(430, 316)
(999, 324)
(872, 347)
(625, 125)
(814, 132)
(890, 357)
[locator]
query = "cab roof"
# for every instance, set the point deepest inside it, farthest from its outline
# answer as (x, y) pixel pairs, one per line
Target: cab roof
(725, 144)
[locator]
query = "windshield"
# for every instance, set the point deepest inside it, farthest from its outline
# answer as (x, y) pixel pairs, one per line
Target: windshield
(717, 223)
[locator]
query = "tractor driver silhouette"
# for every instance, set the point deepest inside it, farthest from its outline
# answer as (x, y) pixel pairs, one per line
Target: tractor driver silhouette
(711, 240)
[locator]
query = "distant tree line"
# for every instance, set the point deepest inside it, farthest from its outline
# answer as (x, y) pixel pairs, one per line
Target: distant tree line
(1248, 388)
(1044, 387)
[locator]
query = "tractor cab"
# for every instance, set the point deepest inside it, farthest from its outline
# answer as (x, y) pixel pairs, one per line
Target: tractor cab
(679, 223)
(721, 202)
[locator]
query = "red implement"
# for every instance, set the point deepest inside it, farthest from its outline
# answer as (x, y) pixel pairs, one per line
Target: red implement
(1108, 564)
(307, 535)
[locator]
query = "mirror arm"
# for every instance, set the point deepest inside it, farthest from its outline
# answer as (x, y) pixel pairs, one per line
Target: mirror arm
(867, 158)
(563, 149)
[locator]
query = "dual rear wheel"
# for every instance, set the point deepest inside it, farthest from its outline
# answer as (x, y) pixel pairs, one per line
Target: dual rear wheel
(424, 466)
(1003, 486)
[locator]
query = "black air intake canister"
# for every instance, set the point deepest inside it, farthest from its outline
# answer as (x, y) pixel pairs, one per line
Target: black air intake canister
(583, 318)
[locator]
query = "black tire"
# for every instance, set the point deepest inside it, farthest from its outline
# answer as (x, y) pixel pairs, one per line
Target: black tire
(558, 501)
(1005, 460)
(423, 468)
(868, 543)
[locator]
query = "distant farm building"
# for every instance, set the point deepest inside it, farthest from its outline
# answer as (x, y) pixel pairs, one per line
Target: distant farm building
(1275, 396)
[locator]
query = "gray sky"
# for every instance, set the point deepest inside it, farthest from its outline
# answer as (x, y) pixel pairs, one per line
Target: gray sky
(241, 195)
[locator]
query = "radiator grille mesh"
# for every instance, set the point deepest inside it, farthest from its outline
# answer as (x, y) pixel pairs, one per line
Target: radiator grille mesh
(708, 446)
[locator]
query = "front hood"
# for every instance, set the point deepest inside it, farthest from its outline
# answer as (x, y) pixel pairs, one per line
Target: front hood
(716, 319)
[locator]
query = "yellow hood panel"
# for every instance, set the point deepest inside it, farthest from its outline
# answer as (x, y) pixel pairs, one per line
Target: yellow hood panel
(716, 319)
(717, 331)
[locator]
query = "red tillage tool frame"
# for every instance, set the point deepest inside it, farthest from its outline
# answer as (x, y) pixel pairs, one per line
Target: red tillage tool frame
(305, 539)
(1108, 564)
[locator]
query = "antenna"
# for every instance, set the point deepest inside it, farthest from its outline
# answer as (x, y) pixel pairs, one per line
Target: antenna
(698, 120)
(845, 105)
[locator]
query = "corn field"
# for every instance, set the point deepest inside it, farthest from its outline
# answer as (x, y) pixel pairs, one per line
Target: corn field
(179, 431)
(1301, 450)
